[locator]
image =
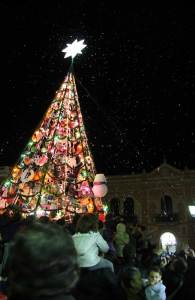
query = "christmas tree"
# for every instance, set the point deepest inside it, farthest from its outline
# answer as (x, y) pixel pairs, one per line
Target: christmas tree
(56, 169)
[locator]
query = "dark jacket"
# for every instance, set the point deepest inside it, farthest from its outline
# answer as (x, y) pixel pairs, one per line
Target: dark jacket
(96, 285)
(57, 297)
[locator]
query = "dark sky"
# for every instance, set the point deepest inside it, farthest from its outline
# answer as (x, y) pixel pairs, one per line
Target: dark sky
(135, 79)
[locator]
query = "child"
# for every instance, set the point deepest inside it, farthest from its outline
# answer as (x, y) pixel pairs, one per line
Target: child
(131, 283)
(121, 238)
(156, 289)
(89, 242)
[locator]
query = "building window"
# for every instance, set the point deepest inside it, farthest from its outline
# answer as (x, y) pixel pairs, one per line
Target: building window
(166, 213)
(128, 208)
(168, 242)
(114, 206)
(166, 206)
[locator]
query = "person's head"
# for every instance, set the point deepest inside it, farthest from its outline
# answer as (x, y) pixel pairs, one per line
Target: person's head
(28, 221)
(121, 228)
(61, 221)
(157, 250)
(183, 246)
(42, 262)
(100, 225)
(130, 278)
(141, 228)
(87, 223)
(191, 253)
(154, 275)
(44, 219)
(178, 265)
(14, 212)
(52, 215)
(75, 219)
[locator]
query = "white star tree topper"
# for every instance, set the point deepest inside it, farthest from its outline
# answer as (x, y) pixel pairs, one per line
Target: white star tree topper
(74, 48)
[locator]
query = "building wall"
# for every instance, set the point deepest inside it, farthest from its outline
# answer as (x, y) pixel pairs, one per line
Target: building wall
(4, 172)
(147, 189)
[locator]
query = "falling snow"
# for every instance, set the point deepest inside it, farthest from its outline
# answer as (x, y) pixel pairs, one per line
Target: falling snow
(135, 80)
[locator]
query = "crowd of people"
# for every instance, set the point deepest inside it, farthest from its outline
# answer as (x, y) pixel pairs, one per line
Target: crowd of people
(47, 259)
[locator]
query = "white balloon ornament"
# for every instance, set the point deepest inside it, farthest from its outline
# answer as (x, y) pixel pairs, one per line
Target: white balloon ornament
(100, 188)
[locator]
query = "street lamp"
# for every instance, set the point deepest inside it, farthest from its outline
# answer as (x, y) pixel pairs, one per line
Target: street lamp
(192, 210)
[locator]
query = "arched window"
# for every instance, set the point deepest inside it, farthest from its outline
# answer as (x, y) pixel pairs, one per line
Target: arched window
(114, 206)
(168, 242)
(128, 208)
(166, 206)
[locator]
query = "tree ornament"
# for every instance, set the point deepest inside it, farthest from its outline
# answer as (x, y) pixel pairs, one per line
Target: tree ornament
(27, 175)
(37, 175)
(16, 172)
(41, 160)
(90, 206)
(43, 150)
(61, 131)
(71, 162)
(37, 136)
(79, 148)
(27, 160)
(12, 190)
(85, 189)
(33, 149)
(77, 135)
(25, 189)
(98, 203)
(72, 124)
(99, 186)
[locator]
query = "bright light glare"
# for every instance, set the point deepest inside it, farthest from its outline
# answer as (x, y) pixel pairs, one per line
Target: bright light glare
(74, 48)
(168, 242)
(192, 210)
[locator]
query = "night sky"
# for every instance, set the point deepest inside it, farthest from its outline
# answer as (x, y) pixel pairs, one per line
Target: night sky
(135, 79)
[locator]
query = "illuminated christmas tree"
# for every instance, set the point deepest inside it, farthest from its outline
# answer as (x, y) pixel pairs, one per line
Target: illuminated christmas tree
(56, 169)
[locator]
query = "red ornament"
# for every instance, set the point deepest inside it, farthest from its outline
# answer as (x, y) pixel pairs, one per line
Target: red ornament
(61, 131)
(72, 124)
(40, 161)
(79, 148)
(101, 217)
(27, 161)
